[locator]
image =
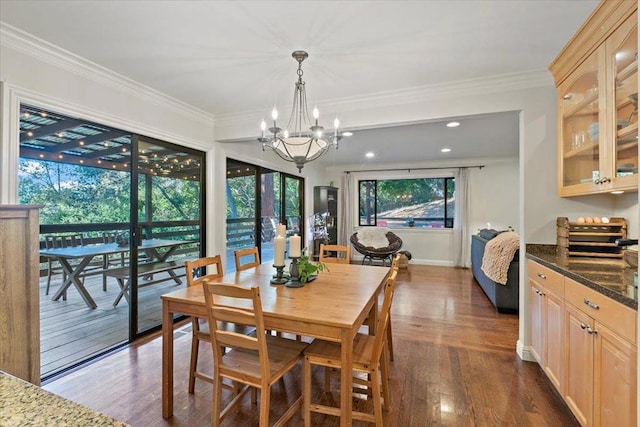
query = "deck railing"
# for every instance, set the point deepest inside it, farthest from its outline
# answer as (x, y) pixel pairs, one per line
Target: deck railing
(88, 234)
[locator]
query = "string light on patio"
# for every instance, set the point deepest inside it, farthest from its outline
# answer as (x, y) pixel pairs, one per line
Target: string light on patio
(302, 141)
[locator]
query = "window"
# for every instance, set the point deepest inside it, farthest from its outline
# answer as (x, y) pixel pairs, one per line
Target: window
(398, 203)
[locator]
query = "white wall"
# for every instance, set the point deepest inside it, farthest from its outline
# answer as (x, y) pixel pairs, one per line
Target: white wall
(494, 199)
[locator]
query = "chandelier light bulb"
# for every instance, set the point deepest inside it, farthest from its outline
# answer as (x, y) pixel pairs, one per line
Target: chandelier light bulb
(336, 123)
(316, 113)
(274, 114)
(263, 127)
(319, 134)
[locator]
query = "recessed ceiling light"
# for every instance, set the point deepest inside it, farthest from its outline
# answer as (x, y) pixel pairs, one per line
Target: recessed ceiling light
(445, 150)
(453, 124)
(347, 133)
(369, 154)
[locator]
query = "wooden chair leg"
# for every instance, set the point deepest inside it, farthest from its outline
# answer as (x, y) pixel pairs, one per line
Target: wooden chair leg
(384, 374)
(265, 397)
(377, 406)
(195, 346)
(217, 397)
(390, 340)
(306, 391)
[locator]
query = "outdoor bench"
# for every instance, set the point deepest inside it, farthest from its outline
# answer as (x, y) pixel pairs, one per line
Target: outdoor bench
(146, 271)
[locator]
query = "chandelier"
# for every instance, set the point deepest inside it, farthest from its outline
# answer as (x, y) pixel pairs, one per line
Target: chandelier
(302, 140)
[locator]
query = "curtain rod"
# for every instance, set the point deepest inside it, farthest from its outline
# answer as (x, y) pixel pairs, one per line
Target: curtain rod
(415, 169)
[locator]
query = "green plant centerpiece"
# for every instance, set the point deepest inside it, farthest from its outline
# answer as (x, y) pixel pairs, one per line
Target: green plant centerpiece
(306, 270)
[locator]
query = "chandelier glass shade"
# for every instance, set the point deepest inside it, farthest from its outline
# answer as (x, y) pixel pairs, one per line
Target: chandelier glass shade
(303, 140)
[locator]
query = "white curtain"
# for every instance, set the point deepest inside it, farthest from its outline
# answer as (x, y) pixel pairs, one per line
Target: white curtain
(346, 210)
(461, 232)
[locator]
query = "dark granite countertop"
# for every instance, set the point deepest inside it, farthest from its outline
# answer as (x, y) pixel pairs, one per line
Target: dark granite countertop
(24, 404)
(611, 277)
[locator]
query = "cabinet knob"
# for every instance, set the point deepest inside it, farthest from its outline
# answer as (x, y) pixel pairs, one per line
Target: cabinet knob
(591, 304)
(583, 326)
(542, 276)
(591, 331)
(605, 179)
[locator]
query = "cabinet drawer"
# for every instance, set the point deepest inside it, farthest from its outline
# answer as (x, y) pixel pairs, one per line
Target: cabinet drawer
(546, 277)
(621, 319)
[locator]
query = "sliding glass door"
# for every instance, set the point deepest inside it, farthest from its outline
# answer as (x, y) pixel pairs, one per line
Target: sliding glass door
(257, 199)
(167, 225)
(134, 204)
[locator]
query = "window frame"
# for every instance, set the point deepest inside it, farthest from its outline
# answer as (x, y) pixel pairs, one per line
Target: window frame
(448, 221)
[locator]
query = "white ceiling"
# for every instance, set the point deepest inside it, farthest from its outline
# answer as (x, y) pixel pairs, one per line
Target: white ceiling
(234, 57)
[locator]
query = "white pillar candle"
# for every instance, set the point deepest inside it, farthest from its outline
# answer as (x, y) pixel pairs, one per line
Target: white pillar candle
(278, 253)
(281, 230)
(294, 246)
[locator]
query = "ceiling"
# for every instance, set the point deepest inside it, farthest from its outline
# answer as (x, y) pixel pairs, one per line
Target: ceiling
(234, 57)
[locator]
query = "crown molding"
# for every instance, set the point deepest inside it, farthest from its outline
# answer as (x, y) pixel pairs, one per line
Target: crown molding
(28, 44)
(392, 99)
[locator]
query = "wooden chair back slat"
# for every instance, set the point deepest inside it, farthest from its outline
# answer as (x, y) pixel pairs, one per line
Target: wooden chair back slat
(235, 340)
(233, 315)
(240, 254)
(342, 254)
(195, 275)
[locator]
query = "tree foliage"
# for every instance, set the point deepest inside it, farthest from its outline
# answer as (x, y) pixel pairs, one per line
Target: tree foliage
(73, 194)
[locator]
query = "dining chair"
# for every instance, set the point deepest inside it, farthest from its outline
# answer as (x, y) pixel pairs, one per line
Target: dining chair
(257, 361)
(339, 254)
(395, 265)
(241, 263)
(368, 357)
(197, 272)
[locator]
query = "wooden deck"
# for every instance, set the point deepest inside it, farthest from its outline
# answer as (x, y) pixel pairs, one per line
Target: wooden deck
(71, 332)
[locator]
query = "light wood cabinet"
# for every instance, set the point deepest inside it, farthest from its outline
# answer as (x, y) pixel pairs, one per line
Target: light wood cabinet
(546, 288)
(615, 373)
(600, 358)
(586, 343)
(19, 295)
(597, 79)
(579, 365)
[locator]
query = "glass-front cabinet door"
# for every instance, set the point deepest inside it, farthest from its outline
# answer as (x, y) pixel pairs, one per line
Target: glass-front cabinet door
(622, 52)
(580, 120)
(598, 118)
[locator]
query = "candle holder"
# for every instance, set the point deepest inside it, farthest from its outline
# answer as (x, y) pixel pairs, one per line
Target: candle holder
(295, 274)
(280, 278)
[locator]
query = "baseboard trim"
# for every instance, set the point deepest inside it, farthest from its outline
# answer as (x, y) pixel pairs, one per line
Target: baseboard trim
(434, 262)
(524, 352)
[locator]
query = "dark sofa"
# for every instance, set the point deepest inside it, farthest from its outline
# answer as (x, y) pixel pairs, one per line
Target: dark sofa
(503, 297)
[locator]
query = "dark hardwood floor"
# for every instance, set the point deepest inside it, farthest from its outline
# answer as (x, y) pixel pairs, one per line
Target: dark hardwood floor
(455, 365)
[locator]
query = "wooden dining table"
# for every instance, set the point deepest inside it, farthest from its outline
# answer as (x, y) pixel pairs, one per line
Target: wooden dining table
(332, 307)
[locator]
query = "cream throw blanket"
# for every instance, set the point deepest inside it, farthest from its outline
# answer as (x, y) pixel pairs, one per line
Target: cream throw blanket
(498, 254)
(374, 237)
